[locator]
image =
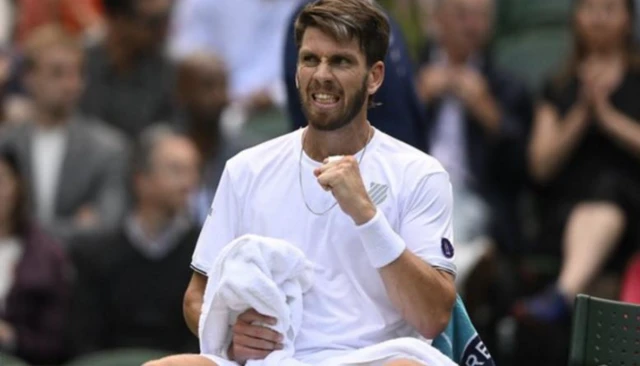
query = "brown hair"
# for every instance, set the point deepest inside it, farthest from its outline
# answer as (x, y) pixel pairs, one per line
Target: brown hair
(44, 38)
(345, 20)
(579, 50)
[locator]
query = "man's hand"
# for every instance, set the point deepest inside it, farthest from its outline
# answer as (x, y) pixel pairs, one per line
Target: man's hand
(470, 86)
(7, 334)
(433, 81)
(343, 179)
(86, 216)
(253, 342)
(473, 90)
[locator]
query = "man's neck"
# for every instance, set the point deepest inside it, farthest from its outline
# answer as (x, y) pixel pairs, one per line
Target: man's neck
(455, 57)
(118, 53)
(152, 221)
(205, 133)
(347, 140)
(48, 121)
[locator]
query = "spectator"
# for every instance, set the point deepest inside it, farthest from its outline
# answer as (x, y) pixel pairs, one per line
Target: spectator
(75, 165)
(131, 281)
(202, 97)
(584, 153)
(398, 112)
(129, 81)
(34, 277)
(477, 123)
(237, 31)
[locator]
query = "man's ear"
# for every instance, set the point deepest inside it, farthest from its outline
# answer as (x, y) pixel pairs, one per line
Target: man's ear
(376, 77)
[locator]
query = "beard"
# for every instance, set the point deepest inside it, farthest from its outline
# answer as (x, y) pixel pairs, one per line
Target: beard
(333, 120)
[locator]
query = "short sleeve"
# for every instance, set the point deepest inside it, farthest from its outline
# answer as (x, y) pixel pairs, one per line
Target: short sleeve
(220, 226)
(426, 223)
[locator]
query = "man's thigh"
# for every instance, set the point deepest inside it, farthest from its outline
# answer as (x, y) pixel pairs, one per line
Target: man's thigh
(181, 360)
(403, 362)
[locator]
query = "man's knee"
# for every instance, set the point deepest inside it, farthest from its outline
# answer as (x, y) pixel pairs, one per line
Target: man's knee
(404, 362)
(604, 213)
(181, 360)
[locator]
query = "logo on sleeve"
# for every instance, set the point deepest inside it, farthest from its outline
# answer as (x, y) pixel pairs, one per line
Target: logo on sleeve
(447, 248)
(378, 193)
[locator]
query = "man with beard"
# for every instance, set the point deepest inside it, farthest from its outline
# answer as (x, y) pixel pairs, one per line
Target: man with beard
(372, 213)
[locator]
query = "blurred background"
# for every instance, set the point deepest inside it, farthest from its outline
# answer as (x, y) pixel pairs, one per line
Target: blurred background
(117, 116)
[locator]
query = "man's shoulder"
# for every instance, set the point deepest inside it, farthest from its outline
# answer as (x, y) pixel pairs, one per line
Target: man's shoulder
(101, 135)
(265, 155)
(406, 158)
(9, 133)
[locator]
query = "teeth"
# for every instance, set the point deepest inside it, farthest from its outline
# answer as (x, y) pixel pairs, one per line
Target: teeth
(322, 97)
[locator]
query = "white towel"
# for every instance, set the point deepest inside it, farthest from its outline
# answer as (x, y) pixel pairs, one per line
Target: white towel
(266, 274)
(271, 276)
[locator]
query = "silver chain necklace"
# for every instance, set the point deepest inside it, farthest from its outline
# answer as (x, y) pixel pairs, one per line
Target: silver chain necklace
(304, 199)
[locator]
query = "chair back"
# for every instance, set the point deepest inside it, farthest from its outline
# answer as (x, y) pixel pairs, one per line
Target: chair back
(605, 332)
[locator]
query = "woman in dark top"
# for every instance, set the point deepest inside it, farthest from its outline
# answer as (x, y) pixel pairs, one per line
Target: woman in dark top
(34, 278)
(585, 152)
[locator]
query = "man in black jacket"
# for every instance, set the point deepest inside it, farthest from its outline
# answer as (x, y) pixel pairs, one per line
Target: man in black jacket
(478, 120)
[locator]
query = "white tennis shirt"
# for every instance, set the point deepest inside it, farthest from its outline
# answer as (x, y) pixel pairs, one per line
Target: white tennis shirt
(348, 307)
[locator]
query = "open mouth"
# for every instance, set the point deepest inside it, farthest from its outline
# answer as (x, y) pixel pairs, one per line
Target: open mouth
(325, 100)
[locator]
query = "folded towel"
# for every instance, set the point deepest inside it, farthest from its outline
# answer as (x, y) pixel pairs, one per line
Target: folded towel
(460, 340)
(266, 274)
(271, 276)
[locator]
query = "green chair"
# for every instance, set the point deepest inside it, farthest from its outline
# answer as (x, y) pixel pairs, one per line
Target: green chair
(118, 357)
(534, 55)
(518, 15)
(605, 332)
(9, 360)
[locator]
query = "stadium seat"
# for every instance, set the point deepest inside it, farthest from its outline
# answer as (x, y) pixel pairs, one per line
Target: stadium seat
(9, 360)
(518, 15)
(604, 332)
(534, 55)
(118, 357)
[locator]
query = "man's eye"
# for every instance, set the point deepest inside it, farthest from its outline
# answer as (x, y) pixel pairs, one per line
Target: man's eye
(308, 59)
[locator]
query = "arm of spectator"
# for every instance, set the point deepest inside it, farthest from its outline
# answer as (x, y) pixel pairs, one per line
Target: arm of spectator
(553, 140)
(111, 199)
(44, 336)
(433, 81)
(621, 127)
(108, 207)
(193, 300)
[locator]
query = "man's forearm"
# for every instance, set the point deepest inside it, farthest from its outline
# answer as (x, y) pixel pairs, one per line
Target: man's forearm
(423, 295)
(192, 315)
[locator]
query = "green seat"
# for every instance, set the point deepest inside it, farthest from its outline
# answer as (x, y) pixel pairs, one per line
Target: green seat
(605, 332)
(535, 55)
(118, 357)
(9, 360)
(516, 15)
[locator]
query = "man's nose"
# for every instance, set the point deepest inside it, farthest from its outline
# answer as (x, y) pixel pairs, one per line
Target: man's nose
(323, 72)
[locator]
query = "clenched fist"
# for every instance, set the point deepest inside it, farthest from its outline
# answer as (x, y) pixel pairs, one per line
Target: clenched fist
(342, 177)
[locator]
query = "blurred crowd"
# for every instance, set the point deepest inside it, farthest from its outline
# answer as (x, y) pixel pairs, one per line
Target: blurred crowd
(117, 117)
